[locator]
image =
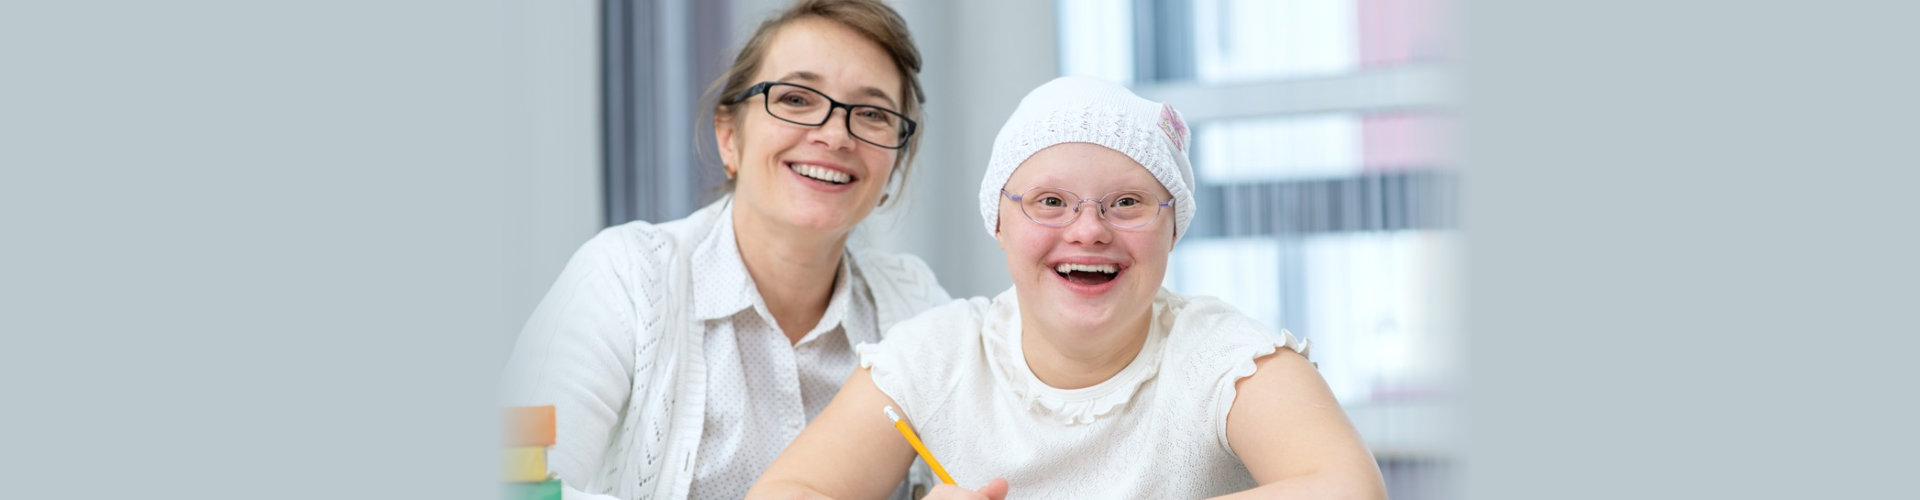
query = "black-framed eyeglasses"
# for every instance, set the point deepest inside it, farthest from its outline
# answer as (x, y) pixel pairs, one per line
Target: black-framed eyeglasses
(1055, 207)
(801, 105)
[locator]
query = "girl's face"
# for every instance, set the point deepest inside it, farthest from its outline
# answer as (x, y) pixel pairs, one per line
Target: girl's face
(1087, 277)
(811, 177)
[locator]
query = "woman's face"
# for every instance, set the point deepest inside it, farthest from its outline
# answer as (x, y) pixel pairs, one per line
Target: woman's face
(1077, 300)
(812, 177)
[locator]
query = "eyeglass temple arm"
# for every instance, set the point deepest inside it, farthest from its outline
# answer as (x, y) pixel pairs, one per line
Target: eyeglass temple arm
(755, 89)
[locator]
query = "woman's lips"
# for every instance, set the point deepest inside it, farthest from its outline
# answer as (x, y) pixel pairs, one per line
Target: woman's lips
(821, 179)
(820, 173)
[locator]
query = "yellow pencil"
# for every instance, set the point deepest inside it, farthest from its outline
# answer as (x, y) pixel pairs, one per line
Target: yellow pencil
(918, 447)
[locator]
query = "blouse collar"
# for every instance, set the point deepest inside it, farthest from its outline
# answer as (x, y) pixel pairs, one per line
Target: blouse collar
(1007, 360)
(724, 288)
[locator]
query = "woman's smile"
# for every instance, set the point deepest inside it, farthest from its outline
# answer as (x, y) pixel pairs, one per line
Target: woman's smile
(822, 176)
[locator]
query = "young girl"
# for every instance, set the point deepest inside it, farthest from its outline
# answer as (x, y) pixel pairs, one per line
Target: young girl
(1087, 379)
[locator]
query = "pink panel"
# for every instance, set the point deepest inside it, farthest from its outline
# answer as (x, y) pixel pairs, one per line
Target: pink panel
(1402, 141)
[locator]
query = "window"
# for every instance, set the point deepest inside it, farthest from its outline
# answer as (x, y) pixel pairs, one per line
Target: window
(1320, 132)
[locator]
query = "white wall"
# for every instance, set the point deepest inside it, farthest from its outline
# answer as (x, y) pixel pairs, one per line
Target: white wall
(554, 199)
(252, 244)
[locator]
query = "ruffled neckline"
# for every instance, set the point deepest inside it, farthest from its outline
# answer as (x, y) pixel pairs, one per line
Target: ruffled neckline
(1068, 406)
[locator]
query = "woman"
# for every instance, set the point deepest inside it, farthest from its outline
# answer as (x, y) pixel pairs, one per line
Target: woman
(1087, 379)
(681, 357)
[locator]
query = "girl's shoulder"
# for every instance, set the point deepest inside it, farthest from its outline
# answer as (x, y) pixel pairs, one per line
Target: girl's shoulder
(922, 358)
(947, 327)
(1212, 340)
(1207, 323)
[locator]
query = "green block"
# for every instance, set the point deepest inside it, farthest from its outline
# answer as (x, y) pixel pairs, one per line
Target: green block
(544, 490)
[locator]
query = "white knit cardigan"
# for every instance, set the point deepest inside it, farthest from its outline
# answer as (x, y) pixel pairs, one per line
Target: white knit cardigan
(631, 391)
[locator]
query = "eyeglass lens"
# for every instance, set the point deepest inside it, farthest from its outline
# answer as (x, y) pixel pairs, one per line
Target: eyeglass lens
(1057, 207)
(880, 126)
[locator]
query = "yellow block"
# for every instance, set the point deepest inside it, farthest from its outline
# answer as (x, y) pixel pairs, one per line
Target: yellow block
(524, 464)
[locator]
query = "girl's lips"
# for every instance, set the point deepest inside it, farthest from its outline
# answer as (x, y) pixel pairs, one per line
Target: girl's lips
(1086, 261)
(1083, 283)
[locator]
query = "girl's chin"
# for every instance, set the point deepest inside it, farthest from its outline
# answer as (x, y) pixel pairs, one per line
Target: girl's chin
(1082, 313)
(1093, 311)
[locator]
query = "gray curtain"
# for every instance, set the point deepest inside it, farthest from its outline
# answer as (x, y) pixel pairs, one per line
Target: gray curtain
(657, 152)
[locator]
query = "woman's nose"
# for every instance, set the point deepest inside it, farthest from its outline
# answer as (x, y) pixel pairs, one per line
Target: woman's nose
(834, 133)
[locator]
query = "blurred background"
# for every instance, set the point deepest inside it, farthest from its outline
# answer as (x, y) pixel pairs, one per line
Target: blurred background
(1327, 183)
(281, 248)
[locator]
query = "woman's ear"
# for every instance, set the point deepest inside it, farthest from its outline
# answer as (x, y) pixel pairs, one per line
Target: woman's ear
(724, 132)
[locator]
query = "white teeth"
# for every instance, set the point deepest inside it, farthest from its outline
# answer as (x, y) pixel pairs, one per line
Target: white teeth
(822, 173)
(1090, 268)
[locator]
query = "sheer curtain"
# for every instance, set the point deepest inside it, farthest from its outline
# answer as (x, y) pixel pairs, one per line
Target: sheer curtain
(657, 57)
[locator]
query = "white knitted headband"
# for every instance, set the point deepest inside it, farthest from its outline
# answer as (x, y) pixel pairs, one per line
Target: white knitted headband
(1077, 109)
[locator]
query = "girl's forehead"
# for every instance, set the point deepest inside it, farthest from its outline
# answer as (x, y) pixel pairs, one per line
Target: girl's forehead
(1096, 175)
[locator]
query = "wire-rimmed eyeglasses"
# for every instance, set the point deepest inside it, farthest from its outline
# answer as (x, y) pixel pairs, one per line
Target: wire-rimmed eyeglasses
(1055, 207)
(802, 105)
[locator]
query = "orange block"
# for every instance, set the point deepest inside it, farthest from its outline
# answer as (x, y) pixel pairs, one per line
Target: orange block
(529, 426)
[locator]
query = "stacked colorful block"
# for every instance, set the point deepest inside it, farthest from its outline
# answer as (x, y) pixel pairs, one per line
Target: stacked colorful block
(529, 432)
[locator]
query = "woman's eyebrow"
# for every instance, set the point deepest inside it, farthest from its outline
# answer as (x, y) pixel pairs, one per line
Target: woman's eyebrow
(803, 75)
(874, 92)
(811, 77)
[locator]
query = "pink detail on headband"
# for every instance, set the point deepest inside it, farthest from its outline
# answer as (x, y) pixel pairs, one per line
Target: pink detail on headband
(1175, 128)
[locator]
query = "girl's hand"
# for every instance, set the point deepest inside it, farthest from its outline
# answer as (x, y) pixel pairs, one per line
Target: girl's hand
(994, 490)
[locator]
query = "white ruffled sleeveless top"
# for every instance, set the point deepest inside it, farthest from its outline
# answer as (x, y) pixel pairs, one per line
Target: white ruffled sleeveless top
(1156, 429)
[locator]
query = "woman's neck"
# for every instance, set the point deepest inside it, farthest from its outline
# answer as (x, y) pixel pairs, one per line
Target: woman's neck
(794, 270)
(1080, 358)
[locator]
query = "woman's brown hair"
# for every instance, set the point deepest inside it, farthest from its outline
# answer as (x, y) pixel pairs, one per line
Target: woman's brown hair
(871, 19)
